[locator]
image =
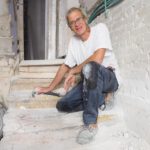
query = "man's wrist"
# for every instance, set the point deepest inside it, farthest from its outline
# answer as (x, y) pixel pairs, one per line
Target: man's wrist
(50, 88)
(71, 72)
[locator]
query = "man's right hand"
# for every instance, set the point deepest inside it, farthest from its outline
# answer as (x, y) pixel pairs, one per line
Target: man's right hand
(41, 90)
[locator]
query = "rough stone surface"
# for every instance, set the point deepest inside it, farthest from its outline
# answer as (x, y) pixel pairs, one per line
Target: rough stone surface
(6, 44)
(5, 26)
(5, 86)
(3, 7)
(48, 129)
(8, 67)
(129, 26)
(20, 94)
(3, 62)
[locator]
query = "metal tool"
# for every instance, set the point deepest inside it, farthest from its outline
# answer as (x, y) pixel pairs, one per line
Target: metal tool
(48, 93)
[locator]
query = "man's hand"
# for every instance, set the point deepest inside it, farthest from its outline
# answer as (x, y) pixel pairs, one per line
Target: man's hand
(69, 81)
(42, 90)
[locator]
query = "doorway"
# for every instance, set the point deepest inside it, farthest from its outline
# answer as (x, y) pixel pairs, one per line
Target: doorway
(34, 29)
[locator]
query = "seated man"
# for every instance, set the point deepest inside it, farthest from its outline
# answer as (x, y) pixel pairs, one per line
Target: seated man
(89, 54)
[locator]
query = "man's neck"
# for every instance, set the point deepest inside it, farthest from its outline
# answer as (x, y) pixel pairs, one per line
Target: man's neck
(85, 35)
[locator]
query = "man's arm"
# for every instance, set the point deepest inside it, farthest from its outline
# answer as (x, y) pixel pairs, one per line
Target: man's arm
(97, 57)
(63, 69)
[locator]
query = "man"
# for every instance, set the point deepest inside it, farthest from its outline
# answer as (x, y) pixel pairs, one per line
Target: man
(89, 54)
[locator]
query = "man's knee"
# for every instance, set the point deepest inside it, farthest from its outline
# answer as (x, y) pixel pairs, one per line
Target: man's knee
(62, 106)
(58, 106)
(88, 69)
(90, 74)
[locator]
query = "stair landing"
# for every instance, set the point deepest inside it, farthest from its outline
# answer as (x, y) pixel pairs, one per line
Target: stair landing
(45, 129)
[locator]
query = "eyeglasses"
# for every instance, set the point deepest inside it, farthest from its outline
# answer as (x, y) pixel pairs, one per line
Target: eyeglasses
(77, 21)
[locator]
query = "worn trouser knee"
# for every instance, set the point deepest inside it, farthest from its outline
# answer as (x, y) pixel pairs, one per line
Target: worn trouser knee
(90, 74)
(60, 106)
(63, 106)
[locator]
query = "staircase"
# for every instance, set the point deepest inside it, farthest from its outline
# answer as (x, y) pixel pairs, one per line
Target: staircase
(32, 74)
(33, 123)
(39, 69)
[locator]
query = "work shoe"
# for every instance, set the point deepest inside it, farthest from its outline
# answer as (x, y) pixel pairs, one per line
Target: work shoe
(87, 134)
(109, 101)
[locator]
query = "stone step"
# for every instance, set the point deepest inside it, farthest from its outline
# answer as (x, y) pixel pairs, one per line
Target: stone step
(39, 68)
(55, 62)
(31, 75)
(20, 94)
(30, 129)
(18, 83)
(24, 84)
(27, 101)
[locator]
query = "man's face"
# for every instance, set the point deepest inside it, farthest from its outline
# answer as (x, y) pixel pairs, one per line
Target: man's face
(77, 23)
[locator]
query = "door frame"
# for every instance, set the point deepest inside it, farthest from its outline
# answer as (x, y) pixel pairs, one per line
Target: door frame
(50, 28)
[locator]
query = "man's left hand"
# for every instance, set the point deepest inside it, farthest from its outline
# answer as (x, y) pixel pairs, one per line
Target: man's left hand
(69, 81)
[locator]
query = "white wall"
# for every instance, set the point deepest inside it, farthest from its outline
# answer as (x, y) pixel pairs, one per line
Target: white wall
(129, 25)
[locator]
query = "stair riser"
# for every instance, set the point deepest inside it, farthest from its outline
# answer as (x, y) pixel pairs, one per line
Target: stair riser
(39, 69)
(39, 101)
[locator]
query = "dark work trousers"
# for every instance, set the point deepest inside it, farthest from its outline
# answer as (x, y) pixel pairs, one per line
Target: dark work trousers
(88, 94)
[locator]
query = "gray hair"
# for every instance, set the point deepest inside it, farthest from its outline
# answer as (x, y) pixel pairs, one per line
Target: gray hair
(72, 10)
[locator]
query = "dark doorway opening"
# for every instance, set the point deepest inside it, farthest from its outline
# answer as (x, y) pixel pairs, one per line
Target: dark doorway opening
(34, 29)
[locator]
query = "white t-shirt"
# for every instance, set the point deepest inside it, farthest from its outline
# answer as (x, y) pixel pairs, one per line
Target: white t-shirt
(79, 51)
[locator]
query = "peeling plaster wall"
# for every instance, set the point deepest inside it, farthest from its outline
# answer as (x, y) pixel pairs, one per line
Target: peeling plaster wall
(5, 33)
(129, 26)
(7, 59)
(3, 7)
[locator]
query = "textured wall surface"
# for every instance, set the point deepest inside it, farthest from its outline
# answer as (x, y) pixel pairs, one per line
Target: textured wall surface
(129, 26)
(6, 59)
(3, 7)
(5, 34)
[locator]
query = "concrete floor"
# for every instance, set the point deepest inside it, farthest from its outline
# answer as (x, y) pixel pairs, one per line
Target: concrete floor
(46, 128)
